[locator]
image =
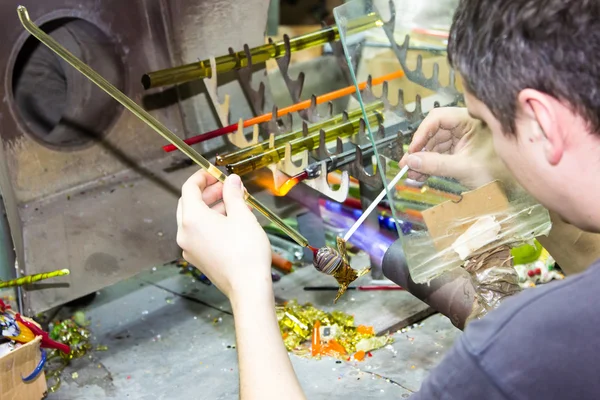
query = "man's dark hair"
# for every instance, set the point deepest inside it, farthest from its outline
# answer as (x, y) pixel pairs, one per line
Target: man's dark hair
(501, 47)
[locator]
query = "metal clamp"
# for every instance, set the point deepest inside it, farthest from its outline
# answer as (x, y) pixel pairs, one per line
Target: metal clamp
(256, 97)
(321, 184)
(294, 86)
(238, 138)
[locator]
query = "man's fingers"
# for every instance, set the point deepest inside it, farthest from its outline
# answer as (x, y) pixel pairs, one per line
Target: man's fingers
(417, 176)
(233, 197)
(179, 214)
(192, 189)
(447, 165)
(443, 143)
(412, 174)
(195, 184)
(440, 126)
(402, 161)
(199, 181)
(181, 235)
(425, 132)
(213, 193)
(219, 207)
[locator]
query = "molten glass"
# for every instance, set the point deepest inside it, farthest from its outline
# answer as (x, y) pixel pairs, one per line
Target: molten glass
(293, 181)
(335, 263)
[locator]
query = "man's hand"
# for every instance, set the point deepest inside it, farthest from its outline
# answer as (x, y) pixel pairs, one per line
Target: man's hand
(227, 243)
(224, 241)
(451, 144)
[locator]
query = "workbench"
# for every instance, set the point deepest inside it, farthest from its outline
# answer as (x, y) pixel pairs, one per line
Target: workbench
(170, 336)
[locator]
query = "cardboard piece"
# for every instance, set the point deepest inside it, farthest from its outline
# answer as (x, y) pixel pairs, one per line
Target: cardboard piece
(443, 220)
(18, 363)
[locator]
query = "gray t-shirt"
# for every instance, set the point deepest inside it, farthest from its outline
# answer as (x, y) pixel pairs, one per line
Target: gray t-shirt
(542, 344)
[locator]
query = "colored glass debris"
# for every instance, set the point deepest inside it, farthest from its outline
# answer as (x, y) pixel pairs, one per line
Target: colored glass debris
(307, 330)
(539, 271)
(77, 336)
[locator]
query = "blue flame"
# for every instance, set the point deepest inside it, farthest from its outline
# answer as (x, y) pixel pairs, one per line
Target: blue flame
(367, 238)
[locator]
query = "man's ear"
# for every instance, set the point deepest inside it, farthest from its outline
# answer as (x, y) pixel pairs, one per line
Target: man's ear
(548, 113)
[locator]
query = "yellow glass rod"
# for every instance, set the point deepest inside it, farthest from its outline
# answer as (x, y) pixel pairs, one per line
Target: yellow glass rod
(258, 55)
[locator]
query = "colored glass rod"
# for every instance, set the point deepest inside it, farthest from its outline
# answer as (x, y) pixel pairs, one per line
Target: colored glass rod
(325, 98)
(258, 55)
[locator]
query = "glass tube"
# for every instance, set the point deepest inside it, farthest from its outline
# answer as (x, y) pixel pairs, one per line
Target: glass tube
(283, 139)
(305, 143)
(260, 54)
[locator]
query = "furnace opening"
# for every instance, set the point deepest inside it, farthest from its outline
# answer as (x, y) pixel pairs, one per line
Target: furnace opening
(57, 105)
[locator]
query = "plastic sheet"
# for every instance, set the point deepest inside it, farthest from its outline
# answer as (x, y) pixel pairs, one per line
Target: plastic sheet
(372, 53)
(488, 221)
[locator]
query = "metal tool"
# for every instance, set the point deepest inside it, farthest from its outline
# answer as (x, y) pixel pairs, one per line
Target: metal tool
(332, 163)
(362, 288)
(338, 161)
(245, 74)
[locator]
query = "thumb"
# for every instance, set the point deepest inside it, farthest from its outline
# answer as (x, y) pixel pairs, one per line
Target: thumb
(446, 165)
(233, 197)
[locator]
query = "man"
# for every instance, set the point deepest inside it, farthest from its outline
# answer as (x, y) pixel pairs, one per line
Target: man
(531, 69)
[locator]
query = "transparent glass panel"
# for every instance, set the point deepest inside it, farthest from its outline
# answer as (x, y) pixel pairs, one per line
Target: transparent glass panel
(412, 36)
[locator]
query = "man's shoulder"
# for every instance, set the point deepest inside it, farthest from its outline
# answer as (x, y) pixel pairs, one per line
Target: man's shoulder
(555, 307)
(539, 333)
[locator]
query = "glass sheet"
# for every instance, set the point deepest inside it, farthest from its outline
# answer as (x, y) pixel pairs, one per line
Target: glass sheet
(412, 36)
